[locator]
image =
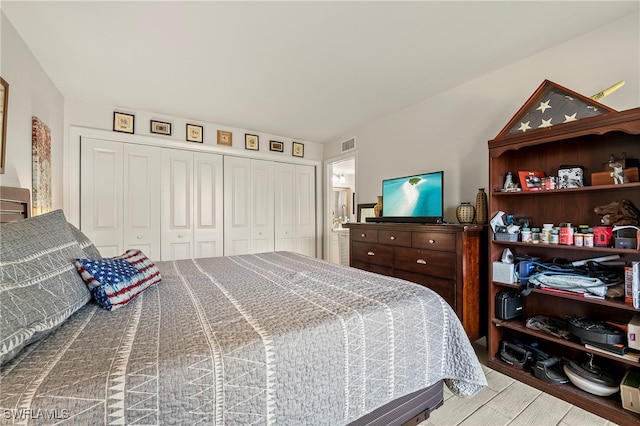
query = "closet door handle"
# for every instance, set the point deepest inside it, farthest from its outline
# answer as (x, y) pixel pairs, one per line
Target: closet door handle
(370, 253)
(421, 261)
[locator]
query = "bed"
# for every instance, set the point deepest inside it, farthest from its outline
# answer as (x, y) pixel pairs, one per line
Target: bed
(270, 338)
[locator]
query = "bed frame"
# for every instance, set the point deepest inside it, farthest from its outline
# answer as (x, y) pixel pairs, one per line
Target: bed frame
(412, 409)
(15, 204)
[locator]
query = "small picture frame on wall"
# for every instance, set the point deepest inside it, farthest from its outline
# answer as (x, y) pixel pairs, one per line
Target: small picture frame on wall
(298, 149)
(225, 138)
(276, 146)
(123, 122)
(251, 142)
(195, 133)
(160, 128)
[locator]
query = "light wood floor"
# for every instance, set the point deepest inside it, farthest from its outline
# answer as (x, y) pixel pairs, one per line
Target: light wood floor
(506, 401)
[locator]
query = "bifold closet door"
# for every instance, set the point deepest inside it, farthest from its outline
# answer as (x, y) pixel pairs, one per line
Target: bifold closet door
(285, 206)
(209, 209)
(177, 205)
(101, 194)
(141, 205)
(248, 206)
(305, 210)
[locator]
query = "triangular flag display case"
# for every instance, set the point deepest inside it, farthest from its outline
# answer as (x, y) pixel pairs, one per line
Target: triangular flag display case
(552, 104)
(588, 141)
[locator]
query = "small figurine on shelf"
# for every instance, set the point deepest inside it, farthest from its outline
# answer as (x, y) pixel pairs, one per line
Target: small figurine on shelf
(618, 173)
(509, 184)
(508, 181)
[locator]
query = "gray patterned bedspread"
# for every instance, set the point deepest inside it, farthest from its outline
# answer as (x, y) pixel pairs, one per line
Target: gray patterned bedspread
(274, 338)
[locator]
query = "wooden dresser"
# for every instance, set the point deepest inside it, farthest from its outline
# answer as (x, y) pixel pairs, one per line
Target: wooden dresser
(448, 259)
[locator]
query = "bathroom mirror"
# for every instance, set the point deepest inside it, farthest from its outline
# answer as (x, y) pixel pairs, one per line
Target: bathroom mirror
(341, 203)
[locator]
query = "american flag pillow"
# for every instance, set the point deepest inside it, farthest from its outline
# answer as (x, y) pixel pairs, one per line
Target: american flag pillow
(116, 281)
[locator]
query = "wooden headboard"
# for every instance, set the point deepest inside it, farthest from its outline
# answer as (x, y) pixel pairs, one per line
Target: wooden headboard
(15, 204)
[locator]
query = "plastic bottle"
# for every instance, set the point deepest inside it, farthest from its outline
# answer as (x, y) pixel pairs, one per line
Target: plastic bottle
(535, 235)
(545, 233)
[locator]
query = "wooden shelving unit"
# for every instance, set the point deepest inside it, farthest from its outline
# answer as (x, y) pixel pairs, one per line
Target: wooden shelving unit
(588, 142)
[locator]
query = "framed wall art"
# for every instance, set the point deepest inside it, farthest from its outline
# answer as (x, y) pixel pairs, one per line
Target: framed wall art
(41, 192)
(251, 142)
(160, 128)
(123, 122)
(225, 138)
(4, 105)
(276, 146)
(195, 133)
(298, 149)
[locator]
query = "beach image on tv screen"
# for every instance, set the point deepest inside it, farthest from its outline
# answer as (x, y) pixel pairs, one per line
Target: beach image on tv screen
(419, 195)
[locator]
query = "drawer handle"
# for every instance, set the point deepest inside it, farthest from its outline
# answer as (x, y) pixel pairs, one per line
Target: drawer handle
(363, 235)
(432, 241)
(421, 261)
(392, 238)
(370, 253)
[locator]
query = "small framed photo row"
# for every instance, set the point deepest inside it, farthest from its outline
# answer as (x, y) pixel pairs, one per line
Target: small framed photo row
(225, 138)
(276, 146)
(123, 122)
(194, 133)
(251, 142)
(298, 149)
(160, 128)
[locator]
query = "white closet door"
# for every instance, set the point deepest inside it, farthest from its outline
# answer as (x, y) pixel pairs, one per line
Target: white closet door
(209, 212)
(141, 196)
(101, 194)
(285, 202)
(262, 209)
(305, 211)
(237, 205)
(177, 205)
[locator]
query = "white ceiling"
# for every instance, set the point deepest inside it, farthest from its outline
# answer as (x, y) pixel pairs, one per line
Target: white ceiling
(305, 70)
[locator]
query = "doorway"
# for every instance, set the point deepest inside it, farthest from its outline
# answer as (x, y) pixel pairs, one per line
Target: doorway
(340, 207)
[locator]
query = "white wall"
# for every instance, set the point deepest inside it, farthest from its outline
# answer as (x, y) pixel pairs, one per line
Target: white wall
(31, 93)
(450, 131)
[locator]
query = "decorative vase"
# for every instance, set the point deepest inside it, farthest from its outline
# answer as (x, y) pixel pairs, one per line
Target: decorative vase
(465, 213)
(377, 209)
(481, 207)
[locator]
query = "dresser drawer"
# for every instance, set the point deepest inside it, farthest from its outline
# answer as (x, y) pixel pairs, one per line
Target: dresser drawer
(428, 262)
(396, 238)
(367, 235)
(377, 254)
(445, 288)
(434, 241)
(372, 267)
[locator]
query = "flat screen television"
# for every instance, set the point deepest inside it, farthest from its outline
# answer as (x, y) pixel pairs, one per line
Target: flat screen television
(415, 198)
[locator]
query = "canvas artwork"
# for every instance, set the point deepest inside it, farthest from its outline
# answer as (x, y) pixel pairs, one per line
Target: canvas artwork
(41, 167)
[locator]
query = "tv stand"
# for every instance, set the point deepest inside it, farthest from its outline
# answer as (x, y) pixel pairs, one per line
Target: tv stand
(448, 259)
(406, 219)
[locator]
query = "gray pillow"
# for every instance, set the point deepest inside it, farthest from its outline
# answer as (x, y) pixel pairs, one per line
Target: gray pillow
(39, 286)
(90, 251)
